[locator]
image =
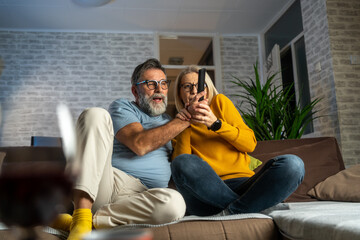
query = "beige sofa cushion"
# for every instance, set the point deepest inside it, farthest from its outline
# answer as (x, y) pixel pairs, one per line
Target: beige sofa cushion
(254, 229)
(343, 186)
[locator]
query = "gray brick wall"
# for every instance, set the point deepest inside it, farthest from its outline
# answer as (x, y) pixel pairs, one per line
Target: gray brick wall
(344, 31)
(332, 33)
(238, 55)
(40, 69)
(322, 83)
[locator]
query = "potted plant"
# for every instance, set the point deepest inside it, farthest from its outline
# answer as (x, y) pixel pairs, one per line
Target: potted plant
(267, 109)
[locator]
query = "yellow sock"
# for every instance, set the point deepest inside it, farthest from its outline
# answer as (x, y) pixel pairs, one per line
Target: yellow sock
(62, 222)
(81, 223)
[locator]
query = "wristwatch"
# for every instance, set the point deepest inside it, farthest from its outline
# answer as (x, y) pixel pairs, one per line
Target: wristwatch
(216, 125)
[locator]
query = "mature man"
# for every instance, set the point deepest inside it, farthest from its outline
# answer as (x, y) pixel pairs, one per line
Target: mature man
(134, 191)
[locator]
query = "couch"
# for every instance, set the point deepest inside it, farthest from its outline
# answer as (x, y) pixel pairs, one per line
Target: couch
(323, 165)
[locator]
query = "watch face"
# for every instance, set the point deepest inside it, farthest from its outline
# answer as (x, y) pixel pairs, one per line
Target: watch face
(216, 125)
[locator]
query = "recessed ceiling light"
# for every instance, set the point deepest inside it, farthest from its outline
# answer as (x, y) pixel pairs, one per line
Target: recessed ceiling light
(91, 3)
(169, 37)
(176, 60)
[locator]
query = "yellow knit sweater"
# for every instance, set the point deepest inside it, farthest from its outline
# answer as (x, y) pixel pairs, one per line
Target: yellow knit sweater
(224, 150)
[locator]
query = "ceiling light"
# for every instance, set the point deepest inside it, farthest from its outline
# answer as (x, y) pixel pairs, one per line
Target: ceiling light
(91, 3)
(169, 37)
(176, 60)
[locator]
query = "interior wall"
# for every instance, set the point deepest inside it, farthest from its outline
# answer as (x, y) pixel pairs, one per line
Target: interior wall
(41, 69)
(344, 32)
(238, 55)
(332, 33)
(322, 84)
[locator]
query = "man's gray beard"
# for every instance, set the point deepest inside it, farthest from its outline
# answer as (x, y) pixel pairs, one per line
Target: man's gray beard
(153, 109)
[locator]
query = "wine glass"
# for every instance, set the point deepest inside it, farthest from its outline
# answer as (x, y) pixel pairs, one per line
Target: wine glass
(34, 192)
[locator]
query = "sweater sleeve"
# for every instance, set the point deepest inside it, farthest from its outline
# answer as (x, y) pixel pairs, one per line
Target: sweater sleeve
(233, 129)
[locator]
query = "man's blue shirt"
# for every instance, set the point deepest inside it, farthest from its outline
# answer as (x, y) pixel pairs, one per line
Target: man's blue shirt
(153, 169)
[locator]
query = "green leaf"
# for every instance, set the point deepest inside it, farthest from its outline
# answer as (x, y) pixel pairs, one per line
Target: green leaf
(268, 111)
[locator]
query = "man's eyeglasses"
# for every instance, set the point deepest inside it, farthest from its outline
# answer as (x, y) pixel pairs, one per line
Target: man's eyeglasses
(152, 84)
(188, 87)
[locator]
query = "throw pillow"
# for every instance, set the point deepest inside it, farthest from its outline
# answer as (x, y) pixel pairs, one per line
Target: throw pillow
(342, 186)
(254, 163)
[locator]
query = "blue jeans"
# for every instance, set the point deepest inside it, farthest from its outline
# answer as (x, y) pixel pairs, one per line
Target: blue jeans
(205, 193)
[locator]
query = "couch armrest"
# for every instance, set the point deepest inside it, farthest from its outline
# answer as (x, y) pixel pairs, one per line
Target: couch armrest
(26, 153)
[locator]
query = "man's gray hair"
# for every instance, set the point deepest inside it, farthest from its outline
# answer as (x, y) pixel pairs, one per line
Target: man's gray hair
(151, 63)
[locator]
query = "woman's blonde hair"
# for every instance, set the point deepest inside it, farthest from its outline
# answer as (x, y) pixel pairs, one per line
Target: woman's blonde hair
(211, 90)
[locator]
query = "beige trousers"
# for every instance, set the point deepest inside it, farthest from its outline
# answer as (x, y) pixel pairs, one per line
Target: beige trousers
(118, 197)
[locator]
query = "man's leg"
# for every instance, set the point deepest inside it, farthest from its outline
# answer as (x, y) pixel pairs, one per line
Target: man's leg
(134, 203)
(205, 193)
(95, 145)
(94, 184)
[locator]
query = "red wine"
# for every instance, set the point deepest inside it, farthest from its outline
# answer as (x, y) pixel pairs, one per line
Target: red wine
(33, 193)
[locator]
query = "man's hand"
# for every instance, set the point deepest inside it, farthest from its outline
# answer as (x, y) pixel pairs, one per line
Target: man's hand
(184, 114)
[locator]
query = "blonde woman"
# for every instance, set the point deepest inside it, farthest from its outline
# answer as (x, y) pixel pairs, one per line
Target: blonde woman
(210, 164)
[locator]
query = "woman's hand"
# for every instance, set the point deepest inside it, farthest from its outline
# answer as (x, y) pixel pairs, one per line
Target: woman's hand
(200, 111)
(192, 105)
(203, 115)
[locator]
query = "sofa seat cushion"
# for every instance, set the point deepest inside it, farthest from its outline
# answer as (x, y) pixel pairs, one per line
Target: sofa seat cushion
(321, 220)
(243, 229)
(43, 233)
(8, 235)
(253, 226)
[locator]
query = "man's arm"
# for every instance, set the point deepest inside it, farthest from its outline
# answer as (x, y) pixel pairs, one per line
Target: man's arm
(142, 141)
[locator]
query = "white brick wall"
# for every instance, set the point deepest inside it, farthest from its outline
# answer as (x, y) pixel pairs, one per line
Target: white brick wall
(40, 69)
(239, 54)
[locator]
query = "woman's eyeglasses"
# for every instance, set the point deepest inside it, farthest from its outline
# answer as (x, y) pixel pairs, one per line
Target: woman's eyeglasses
(188, 87)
